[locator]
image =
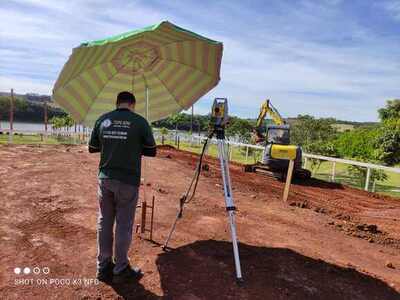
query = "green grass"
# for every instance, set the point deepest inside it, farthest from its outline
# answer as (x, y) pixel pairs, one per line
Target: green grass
(27, 139)
(35, 139)
(342, 176)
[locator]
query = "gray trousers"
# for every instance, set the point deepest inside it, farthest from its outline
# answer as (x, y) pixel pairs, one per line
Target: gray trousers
(117, 203)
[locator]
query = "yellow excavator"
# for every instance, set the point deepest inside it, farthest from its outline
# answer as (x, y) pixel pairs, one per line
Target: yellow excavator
(278, 134)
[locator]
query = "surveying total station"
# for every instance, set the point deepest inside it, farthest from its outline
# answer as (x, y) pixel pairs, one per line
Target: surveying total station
(219, 119)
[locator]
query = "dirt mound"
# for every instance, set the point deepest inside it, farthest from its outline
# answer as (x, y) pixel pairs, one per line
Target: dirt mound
(166, 147)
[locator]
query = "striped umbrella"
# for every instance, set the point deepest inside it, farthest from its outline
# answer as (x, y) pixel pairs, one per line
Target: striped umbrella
(168, 68)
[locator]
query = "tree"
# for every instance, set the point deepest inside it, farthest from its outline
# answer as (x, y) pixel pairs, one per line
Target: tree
(177, 119)
(391, 110)
(163, 132)
(358, 143)
(60, 122)
(240, 129)
(68, 121)
(388, 142)
(308, 130)
(57, 122)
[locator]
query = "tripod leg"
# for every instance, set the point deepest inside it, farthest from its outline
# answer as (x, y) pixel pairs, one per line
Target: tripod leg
(230, 207)
(231, 215)
(164, 247)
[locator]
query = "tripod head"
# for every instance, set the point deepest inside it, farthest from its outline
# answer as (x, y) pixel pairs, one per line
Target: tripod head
(219, 117)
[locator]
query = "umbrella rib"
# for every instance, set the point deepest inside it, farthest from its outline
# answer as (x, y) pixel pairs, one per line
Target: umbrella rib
(100, 90)
(166, 87)
(190, 66)
(84, 71)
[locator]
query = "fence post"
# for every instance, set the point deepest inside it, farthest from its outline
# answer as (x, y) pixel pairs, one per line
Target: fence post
(367, 178)
(333, 171)
(178, 140)
(230, 152)
(83, 134)
(247, 153)
(305, 162)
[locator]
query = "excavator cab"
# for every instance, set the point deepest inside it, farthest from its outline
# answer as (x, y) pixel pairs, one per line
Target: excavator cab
(278, 134)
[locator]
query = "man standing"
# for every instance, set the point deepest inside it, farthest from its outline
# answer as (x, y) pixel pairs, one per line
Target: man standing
(122, 137)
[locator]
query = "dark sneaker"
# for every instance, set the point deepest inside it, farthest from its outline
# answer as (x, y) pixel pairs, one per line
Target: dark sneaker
(106, 274)
(128, 274)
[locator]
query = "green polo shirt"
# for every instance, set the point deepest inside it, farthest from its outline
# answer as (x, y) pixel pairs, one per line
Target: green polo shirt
(120, 136)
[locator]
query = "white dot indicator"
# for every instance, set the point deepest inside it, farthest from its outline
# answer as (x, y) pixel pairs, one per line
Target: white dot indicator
(27, 270)
(36, 270)
(46, 270)
(17, 270)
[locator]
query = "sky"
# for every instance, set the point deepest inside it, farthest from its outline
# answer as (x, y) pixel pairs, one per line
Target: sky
(327, 58)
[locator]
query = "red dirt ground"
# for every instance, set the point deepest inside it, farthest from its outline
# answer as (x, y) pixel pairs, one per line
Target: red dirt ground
(328, 242)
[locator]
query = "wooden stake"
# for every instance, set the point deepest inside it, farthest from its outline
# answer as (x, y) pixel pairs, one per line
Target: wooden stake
(288, 180)
(143, 223)
(152, 218)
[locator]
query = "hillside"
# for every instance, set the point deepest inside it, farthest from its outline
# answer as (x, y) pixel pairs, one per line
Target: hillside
(28, 108)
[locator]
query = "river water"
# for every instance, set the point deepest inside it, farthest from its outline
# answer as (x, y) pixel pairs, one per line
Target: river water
(33, 127)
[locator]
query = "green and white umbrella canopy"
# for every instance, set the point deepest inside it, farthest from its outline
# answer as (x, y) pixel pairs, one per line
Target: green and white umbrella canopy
(169, 66)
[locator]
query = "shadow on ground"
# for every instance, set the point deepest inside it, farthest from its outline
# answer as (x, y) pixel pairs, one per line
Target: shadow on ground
(315, 182)
(133, 291)
(204, 270)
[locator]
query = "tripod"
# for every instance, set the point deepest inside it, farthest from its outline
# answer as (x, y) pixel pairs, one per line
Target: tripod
(219, 117)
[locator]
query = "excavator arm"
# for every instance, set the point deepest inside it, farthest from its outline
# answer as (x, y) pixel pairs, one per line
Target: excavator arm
(266, 108)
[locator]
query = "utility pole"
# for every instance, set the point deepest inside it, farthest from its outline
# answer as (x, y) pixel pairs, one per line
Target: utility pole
(11, 132)
(45, 116)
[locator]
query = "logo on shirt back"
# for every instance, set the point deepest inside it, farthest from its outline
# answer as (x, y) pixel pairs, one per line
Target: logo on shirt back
(106, 123)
